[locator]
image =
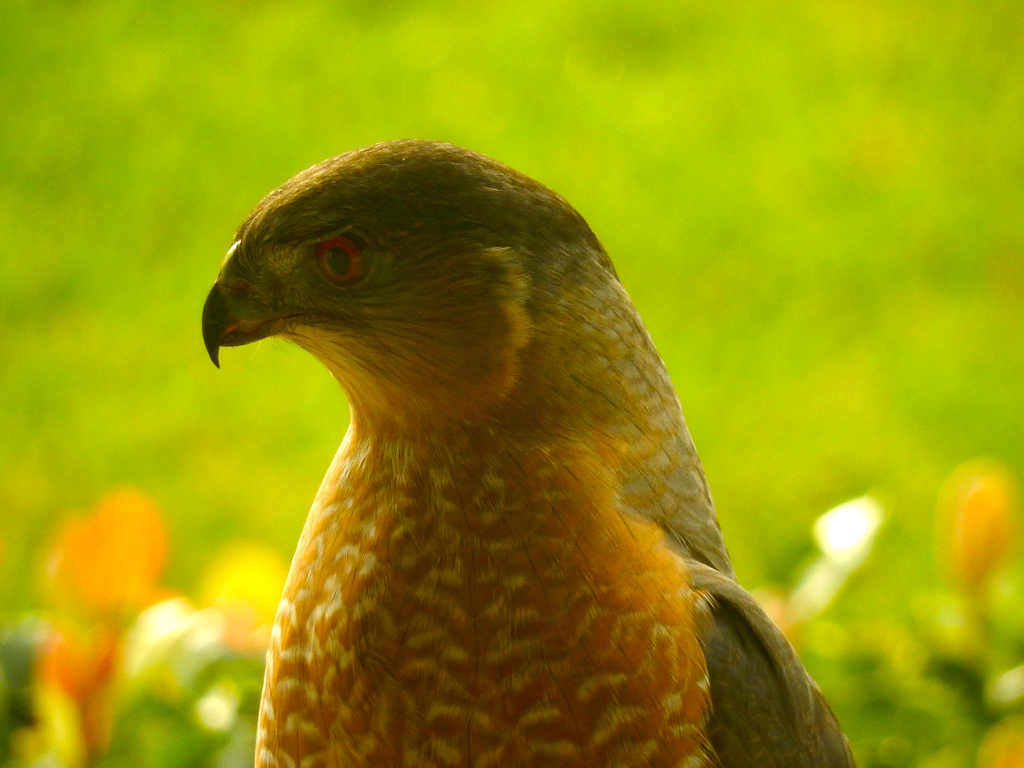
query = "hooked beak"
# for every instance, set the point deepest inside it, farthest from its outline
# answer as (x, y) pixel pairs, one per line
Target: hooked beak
(227, 324)
(230, 316)
(215, 321)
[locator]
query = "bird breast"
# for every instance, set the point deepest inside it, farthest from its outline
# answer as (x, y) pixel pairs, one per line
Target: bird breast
(495, 610)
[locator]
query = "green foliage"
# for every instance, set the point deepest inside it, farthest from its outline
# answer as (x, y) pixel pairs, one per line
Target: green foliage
(160, 729)
(817, 207)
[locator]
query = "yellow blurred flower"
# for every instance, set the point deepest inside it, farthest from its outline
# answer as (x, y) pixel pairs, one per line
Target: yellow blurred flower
(56, 738)
(244, 583)
(978, 523)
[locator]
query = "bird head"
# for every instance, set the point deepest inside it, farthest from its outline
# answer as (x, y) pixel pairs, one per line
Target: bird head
(430, 280)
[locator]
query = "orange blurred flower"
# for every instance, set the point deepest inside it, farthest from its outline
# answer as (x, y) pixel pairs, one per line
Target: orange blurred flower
(776, 604)
(107, 563)
(100, 570)
(1003, 746)
(79, 667)
(977, 515)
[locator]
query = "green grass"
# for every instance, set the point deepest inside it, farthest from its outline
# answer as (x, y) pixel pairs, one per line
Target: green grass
(817, 206)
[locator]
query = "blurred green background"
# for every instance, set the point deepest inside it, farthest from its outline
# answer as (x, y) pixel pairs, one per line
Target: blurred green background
(817, 206)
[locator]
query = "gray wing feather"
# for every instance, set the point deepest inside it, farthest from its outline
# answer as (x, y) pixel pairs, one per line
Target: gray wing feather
(766, 710)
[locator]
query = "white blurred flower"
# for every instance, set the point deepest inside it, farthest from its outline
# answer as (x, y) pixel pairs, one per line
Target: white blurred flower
(218, 708)
(1008, 689)
(845, 535)
(171, 642)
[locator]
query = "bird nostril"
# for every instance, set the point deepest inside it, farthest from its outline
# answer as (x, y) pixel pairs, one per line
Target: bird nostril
(238, 287)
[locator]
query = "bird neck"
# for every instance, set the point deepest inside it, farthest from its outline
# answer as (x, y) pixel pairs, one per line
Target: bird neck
(621, 411)
(591, 377)
(596, 376)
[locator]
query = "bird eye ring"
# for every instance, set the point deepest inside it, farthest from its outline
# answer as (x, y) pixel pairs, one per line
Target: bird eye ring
(341, 260)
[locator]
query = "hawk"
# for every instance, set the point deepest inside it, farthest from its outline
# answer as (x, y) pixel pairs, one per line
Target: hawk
(514, 559)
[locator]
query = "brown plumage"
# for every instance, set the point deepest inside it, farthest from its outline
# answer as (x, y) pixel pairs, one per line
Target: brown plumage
(514, 558)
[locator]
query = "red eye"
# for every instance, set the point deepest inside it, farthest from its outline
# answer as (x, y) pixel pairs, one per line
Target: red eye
(341, 261)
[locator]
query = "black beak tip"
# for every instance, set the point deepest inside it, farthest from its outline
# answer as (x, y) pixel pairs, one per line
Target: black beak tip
(214, 322)
(214, 352)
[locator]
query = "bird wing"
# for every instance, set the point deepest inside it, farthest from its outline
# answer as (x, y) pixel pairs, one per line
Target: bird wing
(766, 710)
